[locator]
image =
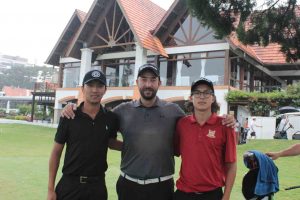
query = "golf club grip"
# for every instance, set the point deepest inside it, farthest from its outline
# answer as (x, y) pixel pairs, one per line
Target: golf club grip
(293, 187)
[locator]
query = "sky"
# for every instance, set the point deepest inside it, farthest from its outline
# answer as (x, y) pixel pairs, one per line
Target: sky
(31, 28)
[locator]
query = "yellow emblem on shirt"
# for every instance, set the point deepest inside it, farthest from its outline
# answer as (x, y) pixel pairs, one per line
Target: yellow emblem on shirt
(211, 134)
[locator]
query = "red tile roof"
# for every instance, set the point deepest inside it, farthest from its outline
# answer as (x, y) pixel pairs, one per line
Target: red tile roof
(143, 16)
(269, 55)
(13, 91)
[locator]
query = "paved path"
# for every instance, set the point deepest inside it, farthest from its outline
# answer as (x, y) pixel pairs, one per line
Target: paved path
(10, 121)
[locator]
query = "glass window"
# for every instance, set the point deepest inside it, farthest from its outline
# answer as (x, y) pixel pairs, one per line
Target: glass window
(163, 72)
(213, 69)
(71, 75)
(120, 74)
(191, 32)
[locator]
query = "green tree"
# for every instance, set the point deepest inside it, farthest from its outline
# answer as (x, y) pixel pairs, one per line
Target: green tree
(24, 109)
(19, 76)
(278, 23)
(262, 103)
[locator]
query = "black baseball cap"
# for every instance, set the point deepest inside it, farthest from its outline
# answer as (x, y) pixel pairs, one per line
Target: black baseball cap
(202, 80)
(148, 67)
(94, 75)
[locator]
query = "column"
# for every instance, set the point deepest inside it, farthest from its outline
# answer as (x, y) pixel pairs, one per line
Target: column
(121, 72)
(86, 63)
(203, 63)
(178, 71)
(7, 107)
(237, 83)
(140, 59)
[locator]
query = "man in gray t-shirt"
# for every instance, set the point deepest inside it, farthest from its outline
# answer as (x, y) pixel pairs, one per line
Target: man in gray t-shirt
(148, 138)
(147, 126)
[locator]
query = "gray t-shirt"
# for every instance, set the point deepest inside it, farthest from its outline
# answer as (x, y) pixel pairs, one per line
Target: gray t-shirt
(148, 138)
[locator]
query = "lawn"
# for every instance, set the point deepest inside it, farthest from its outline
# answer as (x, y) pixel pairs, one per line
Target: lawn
(25, 149)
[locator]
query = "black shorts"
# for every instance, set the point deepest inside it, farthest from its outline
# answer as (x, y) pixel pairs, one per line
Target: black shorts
(253, 133)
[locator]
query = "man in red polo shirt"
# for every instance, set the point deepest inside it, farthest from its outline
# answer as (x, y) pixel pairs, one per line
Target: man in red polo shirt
(207, 149)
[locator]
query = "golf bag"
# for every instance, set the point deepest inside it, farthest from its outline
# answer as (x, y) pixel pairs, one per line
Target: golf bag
(244, 134)
(256, 183)
(283, 133)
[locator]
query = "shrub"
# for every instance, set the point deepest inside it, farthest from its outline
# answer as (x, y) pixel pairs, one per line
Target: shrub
(20, 117)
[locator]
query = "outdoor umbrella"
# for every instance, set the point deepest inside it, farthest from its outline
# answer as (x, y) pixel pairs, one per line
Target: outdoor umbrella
(287, 109)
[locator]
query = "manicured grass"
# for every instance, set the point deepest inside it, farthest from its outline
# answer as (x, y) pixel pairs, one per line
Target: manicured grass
(25, 150)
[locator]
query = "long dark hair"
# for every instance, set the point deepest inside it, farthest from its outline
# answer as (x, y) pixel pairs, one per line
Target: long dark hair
(214, 106)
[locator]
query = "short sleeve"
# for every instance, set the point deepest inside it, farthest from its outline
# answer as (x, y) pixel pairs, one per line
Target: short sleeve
(230, 152)
(177, 139)
(118, 109)
(114, 126)
(179, 112)
(62, 131)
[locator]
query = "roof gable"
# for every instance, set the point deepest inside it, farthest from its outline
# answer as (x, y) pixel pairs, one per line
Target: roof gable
(104, 19)
(143, 17)
(179, 28)
(66, 37)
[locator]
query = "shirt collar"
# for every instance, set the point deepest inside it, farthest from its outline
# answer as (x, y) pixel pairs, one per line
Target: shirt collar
(79, 109)
(157, 103)
(211, 120)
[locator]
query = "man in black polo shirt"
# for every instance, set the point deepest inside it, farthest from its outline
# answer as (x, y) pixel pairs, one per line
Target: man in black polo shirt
(87, 138)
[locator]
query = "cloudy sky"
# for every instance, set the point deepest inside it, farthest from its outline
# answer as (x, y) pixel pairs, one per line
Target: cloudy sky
(30, 28)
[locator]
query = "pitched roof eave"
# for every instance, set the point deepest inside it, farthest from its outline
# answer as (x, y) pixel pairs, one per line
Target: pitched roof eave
(79, 32)
(165, 17)
(136, 36)
(142, 17)
(51, 58)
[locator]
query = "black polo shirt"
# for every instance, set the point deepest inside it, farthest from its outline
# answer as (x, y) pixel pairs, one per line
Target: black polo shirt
(86, 142)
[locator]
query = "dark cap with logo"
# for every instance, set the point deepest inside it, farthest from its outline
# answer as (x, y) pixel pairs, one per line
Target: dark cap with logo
(94, 75)
(148, 67)
(204, 81)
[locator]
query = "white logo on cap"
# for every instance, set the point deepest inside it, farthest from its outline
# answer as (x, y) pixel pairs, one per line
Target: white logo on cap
(96, 74)
(148, 66)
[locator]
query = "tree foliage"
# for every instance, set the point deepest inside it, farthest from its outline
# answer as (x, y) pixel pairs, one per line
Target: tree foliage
(21, 76)
(263, 103)
(278, 23)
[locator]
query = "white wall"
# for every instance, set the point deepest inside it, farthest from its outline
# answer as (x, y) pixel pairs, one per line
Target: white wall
(294, 121)
(62, 94)
(113, 93)
(242, 114)
(267, 130)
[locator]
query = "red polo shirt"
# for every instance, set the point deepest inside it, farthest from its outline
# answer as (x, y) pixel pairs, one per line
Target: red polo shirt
(204, 151)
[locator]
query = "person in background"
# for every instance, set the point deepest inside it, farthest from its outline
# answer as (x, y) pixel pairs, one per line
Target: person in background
(237, 130)
(147, 126)
(253, 126)
(245, 131)
(207, 149)
(293, 150)
(87, 138)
